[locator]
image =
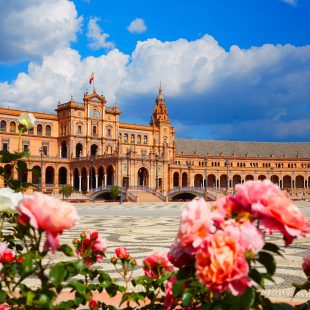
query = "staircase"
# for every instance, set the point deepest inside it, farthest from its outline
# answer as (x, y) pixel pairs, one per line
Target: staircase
(143, 196)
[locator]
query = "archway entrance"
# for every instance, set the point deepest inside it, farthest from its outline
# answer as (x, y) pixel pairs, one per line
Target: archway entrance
(184, 179)
(110, 173)
(64, 149)
(176, 179)
(198, 180)
(49, 176)
(93, 150)
(36, 172)
(143, 177)
(211, 180)
(78, 150)
(287, 181)
(62, 179)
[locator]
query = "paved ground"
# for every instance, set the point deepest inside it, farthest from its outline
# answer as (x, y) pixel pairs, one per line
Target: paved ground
(147, 227)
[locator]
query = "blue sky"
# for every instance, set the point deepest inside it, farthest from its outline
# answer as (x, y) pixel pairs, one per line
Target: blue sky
(237, 70)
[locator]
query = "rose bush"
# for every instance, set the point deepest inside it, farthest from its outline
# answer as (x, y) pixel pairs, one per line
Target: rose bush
(219, 259)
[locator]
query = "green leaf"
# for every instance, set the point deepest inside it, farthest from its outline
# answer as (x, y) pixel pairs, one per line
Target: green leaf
(3, 296)
(27, 265)
(78, 286)
(257, 277)
(178, 288)
(247, 299)
(57, 274)
(187, 298)
(268, 261)
(271, 247)
(67, 250)
(21, 165)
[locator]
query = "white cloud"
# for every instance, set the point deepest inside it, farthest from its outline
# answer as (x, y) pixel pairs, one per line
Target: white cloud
(226, 93)
(137, 26)
(32, 28)
(290, 2)
(96, 36)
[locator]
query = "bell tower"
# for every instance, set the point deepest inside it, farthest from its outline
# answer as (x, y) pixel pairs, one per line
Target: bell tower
(160, 111)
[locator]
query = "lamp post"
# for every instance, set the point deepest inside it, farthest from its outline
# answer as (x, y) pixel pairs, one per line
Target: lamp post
(206, 172)
(41, 184)
(128, 162)
(227, 181)
(189, 171)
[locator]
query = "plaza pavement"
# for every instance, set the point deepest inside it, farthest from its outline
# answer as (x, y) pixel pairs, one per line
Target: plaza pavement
(147, 227)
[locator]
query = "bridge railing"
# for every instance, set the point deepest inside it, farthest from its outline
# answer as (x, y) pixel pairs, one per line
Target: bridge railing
(141, 188)
(160, 195)
(132, 196)
(187, 189)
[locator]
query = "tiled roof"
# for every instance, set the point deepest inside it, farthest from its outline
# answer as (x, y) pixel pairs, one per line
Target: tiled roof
(243, 149)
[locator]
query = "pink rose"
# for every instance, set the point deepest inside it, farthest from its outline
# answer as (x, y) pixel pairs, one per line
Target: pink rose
(4, 307)
(221, 264)
(49, 214)
(195, 225)
(178, 257)
(169, 298)
(306, 265)
(156, 265)
(273, 208)
(121, 253)
(6, 254)
(222, 209)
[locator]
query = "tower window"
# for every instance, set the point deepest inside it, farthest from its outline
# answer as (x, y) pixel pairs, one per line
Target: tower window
(39, 130)
(79, 130)
(145, 140)
(132, 139)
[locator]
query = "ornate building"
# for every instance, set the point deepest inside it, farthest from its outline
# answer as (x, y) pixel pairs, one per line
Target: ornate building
(85, 144)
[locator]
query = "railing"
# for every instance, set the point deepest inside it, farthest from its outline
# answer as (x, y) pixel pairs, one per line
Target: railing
(131, 196)
(141, 188)
(187, 189)
(160, 195)
(101, 188)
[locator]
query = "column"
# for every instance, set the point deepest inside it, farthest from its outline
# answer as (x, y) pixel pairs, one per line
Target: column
(60, 152)
(87, 183)
(96, 176)
(113, 178)
(279, 183)
(80, 183)
(305, 183)
(105, 180)
(72, 181)
(292, 183)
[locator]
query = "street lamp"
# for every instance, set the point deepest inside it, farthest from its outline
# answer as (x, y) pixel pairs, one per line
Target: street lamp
(156, 172)
(41, 154)
(227, 181)
(206, 173)
(128, 161)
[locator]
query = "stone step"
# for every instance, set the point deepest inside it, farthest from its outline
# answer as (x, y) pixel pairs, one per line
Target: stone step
(143, 196)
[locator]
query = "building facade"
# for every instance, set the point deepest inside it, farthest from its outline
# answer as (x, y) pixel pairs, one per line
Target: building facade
(85, 144)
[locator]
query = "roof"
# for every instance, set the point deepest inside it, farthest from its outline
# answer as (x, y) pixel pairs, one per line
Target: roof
(243, 148)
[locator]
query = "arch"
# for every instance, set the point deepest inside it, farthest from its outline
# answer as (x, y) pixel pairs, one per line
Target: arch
(94, 131)
(274, 179)
(49, 175)
(100, 176)
(12, 126)
(145, 140)
(8, 170)
(39, 130)
(78, 150)
(249, 177)
(76, 179)
(236, 179)
(143, 177)
(139, 139)
(94, 113)
(262, 177)
(198, 180)
(132, 139)
(184, 197)
(110, 175)
(184, 179)
(64, 152)
(109, 149)
(223, 180)
(176, 179)
(23, 175)
(287, 181)
(3, 126)
(211, 180)
(84, 180)
(299, 181)
(92, 178)
(48, 130)
(62, 176)
(93, 149)
(36, 172)
(125, 137)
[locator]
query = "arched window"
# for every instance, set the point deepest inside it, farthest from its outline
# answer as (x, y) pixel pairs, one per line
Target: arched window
(12, 127)
(94, 113)
(132, 139)
(94, 131)
(126, 137)
(145, 140)
(39, 130)
(79, 129)
(30, 131)
(139, 139)
(3, 126)
(48, 130)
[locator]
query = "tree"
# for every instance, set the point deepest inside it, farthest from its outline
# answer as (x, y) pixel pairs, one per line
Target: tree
(67, 191)
(114, 192)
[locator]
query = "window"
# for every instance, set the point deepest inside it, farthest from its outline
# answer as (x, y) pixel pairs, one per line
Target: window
(109, 132)
(3, 126)
(145, 140)
(45, 149)
(25, 147)
(30, 131)
(143, 152)
(126, 137)
(139, 139)
(12, 127)
(48, 130)
(94, 113)
(39, 130)
(79, 130)
(132, 139)
(94, 131)
(5, 146)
